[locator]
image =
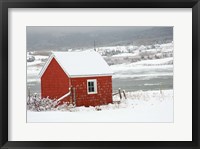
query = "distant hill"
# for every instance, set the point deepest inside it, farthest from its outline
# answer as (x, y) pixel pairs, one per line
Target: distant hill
(61, 40)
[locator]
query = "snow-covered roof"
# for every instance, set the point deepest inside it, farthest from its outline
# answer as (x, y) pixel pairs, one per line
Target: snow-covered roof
(85, 63)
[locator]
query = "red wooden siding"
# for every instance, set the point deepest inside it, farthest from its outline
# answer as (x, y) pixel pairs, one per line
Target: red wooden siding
(104, 91)
(54, 82)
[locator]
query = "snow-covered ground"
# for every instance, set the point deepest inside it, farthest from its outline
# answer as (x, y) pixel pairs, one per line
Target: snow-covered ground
(140, 106)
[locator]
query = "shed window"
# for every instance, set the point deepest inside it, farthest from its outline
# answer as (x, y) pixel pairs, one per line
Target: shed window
(92, 86)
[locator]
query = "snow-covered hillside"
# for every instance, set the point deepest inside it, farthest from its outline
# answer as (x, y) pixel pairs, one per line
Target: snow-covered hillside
(129, 54)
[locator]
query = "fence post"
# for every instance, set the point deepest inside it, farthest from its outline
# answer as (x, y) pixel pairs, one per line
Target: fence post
(74, 96)
(29, 93)
(71, 93)
(120, 96)
(124, 94)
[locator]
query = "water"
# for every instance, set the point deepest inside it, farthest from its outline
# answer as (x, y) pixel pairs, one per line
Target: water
(128, 84)
(149, 78)
(135, 84)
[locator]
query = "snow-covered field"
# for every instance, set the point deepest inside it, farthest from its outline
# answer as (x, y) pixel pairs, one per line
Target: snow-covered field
(148, 106)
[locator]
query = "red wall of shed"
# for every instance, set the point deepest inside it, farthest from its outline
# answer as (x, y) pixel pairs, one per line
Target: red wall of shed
(104, 91)
(54, 82)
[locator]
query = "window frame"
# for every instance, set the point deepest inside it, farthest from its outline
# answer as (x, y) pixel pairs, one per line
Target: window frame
(95, 86)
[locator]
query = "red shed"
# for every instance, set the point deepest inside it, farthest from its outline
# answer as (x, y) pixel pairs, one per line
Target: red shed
(82, 78)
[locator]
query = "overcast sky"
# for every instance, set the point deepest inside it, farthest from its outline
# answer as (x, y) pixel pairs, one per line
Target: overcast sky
(77, 29)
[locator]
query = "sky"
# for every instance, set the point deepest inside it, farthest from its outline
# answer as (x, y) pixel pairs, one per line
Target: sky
(81, 29)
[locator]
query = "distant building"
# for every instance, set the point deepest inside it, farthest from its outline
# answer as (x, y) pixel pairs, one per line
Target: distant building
(82, 78)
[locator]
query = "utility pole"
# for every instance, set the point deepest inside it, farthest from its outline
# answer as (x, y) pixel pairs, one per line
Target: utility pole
(94, 46)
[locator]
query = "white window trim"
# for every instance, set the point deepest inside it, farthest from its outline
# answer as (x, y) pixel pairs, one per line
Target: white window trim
(95, 86)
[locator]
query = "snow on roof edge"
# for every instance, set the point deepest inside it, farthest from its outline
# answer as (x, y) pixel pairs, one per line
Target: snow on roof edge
(46, 65)
(53, 55)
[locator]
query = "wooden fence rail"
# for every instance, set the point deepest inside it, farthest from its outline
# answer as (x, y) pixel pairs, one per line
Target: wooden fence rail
(120, 94)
